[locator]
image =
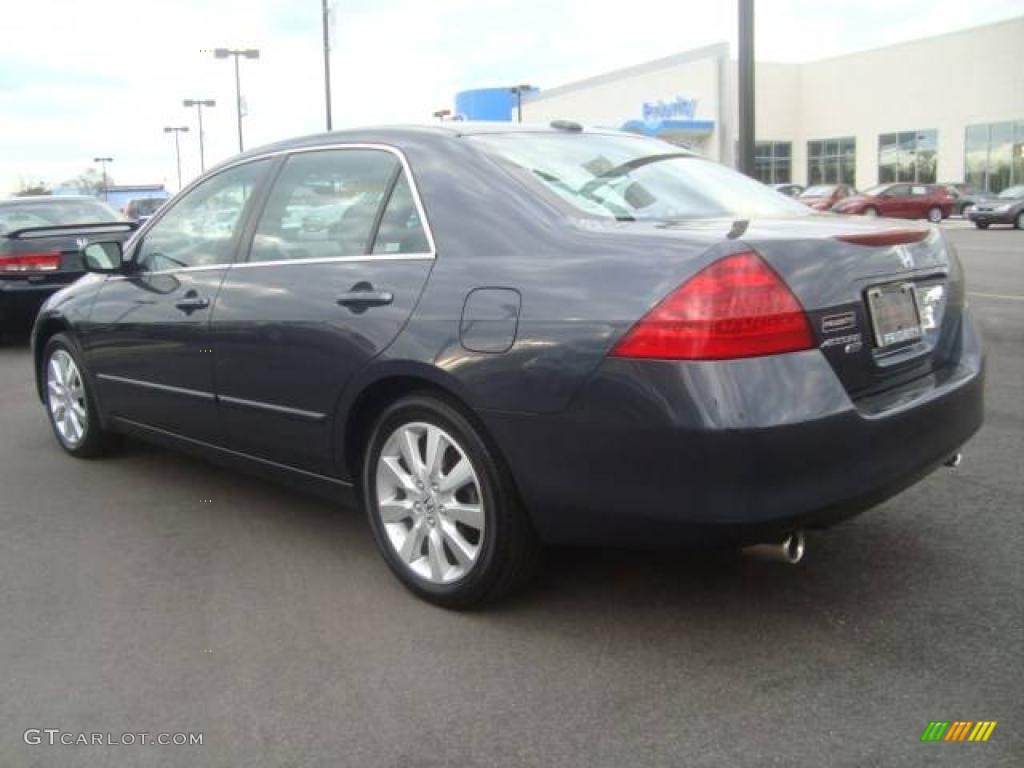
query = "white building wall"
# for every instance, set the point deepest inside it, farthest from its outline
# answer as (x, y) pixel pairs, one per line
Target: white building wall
(944, 83)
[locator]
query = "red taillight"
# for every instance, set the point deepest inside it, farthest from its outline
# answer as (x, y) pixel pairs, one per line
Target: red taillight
(31, 262)
(737, 307)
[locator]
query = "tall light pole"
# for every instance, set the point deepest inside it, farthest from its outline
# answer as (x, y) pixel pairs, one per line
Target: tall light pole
(518, 91)
(745, 88)
(199, 104)
(327, 63)
(248, 53)
(103, 164)
(177, 130)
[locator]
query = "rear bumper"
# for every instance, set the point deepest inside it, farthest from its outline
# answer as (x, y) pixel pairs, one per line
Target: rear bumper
(660, 453)
(990, 217)
(20, 299)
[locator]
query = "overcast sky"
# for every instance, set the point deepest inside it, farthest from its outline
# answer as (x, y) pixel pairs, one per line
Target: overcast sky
(81, 78)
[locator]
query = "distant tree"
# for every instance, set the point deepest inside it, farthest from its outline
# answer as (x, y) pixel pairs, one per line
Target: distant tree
(90, 181)
(31, 188)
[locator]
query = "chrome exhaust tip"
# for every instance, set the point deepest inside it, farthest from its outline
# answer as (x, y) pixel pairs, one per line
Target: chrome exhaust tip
(954, 461)
(790, 550)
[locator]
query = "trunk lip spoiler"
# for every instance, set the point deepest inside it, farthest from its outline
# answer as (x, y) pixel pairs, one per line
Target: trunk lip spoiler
(886, 237)
(29, 233)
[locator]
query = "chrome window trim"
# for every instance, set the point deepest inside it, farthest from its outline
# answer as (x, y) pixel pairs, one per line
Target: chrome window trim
(333, 260)
(175, 271)
(406, 169)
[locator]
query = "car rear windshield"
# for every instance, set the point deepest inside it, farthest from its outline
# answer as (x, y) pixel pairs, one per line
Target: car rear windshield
(635, 178)
(22, 215)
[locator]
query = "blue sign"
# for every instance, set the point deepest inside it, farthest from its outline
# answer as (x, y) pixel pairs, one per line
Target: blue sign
(666, 110)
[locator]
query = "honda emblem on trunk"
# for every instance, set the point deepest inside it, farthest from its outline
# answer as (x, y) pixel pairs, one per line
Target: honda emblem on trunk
(81, 243)
(906, 257)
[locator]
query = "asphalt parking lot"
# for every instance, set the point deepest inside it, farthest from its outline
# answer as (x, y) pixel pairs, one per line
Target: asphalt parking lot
(265, 620)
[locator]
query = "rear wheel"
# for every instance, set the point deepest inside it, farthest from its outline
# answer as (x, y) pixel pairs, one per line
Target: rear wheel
(443, 508)
(871, 212)
(935, 215)
(69, 401)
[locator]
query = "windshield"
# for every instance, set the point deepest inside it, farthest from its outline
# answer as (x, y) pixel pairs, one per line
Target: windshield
(50, 212)
(823, 190)
(634, 178)
(1012, 193)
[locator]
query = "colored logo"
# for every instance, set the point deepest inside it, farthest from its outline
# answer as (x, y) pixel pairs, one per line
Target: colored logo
(662, 110)
(958, 730)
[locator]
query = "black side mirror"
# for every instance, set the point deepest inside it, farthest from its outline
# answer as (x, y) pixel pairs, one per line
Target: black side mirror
(105, 258)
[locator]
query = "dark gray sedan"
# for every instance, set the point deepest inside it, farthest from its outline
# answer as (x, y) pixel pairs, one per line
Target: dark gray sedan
(1005, 208)
(500, 337)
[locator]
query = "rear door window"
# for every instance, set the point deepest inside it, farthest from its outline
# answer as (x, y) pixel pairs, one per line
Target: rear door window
(401, 230)
(324, 204)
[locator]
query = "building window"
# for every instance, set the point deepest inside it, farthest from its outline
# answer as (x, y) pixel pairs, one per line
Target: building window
(772, 161)
(832, 161)
(994, 155)
(907, 156)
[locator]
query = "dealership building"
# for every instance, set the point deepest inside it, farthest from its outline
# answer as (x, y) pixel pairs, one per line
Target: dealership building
(942, 109)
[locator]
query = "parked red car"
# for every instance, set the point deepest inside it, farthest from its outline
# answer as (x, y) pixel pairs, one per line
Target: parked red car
(900, 201)
(821, 197)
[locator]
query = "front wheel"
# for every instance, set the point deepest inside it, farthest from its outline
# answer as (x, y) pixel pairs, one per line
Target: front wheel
(871, 212)
(935, 215)
(443, 507)
(69, 401)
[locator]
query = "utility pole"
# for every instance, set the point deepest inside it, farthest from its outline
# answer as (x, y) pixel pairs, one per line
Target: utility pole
(248, 53)
(177, 130)
(745, 88)
(327, 62)
(103, 164)
(199, 104)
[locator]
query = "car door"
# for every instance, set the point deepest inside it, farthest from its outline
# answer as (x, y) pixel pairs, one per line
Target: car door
(921, 198)
(894, 201)
(147, 340)
(338, 259)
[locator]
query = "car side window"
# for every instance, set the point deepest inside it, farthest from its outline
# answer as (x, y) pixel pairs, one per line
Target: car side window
(324, 204)
(898, 190)
(201, 229)
(919, 190)
(401, 230)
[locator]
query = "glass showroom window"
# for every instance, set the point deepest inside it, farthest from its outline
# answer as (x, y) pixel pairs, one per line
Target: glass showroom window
(994, 155)
(832, 161)
(907, 156)
(772, 161)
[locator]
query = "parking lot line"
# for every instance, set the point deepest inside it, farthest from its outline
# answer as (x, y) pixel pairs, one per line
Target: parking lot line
(1006, 296)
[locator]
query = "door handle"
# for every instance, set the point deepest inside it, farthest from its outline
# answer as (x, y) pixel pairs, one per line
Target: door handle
(362, 296)
(191, 304)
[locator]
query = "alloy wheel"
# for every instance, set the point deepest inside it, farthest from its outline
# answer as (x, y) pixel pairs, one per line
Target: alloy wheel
(66, 398)
(871, 212)
(934, 215)
(430, 503)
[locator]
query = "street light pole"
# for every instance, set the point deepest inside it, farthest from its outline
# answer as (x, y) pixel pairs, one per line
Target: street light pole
(518, 91)
(248, 53)
(327, 63)
(177, 148)
(745, 87)
(103, 164)
(199, 104)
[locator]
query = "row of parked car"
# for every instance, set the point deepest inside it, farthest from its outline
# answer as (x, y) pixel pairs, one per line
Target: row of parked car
(900, 200)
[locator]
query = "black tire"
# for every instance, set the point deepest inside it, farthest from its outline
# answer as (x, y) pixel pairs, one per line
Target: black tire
(981, 224)
(509, 552)
(1018, 222)
(934, 215)
(95, 441)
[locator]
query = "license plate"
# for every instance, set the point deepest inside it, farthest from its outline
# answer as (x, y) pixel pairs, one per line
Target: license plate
(895, 316)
